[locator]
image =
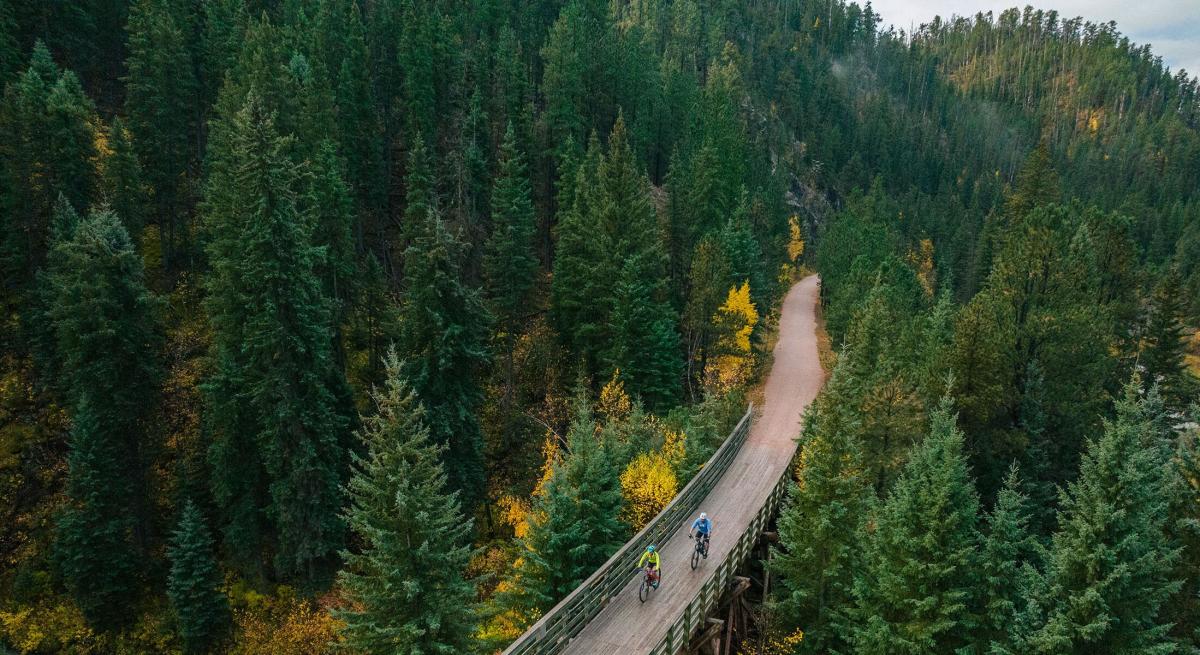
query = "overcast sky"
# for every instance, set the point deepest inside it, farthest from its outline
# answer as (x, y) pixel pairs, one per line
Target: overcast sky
(1171, 27)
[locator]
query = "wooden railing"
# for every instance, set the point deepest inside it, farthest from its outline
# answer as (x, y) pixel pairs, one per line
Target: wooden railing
(554, 630)
(694, 615)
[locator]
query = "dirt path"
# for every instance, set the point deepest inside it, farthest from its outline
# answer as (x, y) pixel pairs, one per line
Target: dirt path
(627, 626)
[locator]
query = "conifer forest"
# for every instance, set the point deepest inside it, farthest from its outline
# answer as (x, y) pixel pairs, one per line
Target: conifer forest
(378, 326)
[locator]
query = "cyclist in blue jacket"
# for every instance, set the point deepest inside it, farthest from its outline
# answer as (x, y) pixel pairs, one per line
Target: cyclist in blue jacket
(703, 528)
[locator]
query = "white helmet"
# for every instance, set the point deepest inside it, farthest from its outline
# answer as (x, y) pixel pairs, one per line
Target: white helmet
(703, 515)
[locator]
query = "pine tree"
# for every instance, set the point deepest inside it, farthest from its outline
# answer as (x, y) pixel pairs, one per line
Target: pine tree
(407, 585)
(272, 398)
(1183, 610)
(915, 592)
(1003, 553)
(574, 525)
(358, 130)
(123, 187)
(645, 345)
(201, 610)
(329, 200)
(584, 263)
(104, 329)
(161, 92)
(48, 151)
(1163, 345)
(510, 265)
(820, 526)
(442, 341)
(610, 280)
(1108, 570)
(94, 544)
(10, 50)
(1038, 480)
(420, 194)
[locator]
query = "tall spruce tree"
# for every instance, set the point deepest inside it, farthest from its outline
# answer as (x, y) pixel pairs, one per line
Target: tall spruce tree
(583, 267)
(161, 92)
(124, 189)
(510, 265)
(407, 584)
(821, 524)
(442, 340)
(574, 525)
(1163, 349)
(645, 346)
(1003, 553)
(276, 451)
(201, 610)
(103, 321)
(94, 547)
(1183, 610)
(610, 279)
(48, 151)
(915, 592)
(1108, 571)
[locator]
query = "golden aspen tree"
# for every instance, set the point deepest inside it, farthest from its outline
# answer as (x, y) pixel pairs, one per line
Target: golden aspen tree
(735, 321)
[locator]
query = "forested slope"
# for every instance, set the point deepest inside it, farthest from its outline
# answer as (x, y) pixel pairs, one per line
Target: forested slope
(286, 280)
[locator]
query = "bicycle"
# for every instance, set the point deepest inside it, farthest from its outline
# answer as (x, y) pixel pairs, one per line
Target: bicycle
(700, 551)
(650, 580)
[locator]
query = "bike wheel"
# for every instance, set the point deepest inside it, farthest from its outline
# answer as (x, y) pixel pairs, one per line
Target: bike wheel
(644, 591)
(695, 557)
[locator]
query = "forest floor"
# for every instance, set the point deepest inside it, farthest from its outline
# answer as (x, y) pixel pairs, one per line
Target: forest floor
(627, 626)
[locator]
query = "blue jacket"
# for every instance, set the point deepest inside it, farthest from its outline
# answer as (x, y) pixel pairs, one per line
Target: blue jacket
(703, 526)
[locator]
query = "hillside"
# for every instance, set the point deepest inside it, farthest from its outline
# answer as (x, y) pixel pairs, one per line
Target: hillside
(284, 281)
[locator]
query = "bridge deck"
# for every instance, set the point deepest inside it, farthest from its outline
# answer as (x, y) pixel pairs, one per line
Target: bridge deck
(629, 627)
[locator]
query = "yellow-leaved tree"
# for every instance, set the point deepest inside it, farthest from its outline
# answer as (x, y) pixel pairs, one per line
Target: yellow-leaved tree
(733, 359)
(647, 485)
(795, 239)
(921, 259)
(614, 404)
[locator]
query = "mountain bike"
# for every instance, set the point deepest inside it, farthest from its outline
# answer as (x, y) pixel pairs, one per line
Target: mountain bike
(650, 580)
(700, 551)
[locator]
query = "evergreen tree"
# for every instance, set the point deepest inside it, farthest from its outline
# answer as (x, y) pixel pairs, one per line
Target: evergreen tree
(1183, 527)
(583, 262)
(1108, 570)
(820, 526)
(1038, 480)
(574, 525)
(1002, 555)
(443, 327)
(48, 151)
(10, 50)
(1163, 345)
(915, 592)
(94, 544)
(610, 280)
(161, 92)
(510, 265)
(406, 585)
(201, 610)
(123, 186)
(645, 346)
(104, 328)
(276, 448)
(420, 193)
(358, 130)
(330, 202)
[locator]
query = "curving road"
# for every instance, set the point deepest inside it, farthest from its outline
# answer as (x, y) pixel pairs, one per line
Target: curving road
(628, 626)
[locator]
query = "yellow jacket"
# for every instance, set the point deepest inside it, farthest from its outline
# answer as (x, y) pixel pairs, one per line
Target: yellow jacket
(652, 557)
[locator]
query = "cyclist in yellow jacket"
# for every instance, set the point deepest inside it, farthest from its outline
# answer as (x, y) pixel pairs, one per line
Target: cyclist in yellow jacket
(651, 562)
